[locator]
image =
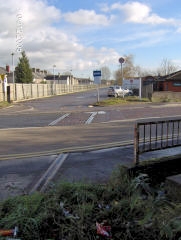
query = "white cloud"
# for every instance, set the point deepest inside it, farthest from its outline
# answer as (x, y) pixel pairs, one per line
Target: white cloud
(136, 12)
(35, 14)
(86, 17)
(46, 40)
(49, 46)
(81, 44)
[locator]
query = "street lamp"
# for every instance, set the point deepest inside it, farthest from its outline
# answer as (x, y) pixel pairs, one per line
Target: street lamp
(54, 66)
(12, 54)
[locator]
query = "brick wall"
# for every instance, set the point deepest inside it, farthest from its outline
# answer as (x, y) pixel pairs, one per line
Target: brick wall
(172, 86)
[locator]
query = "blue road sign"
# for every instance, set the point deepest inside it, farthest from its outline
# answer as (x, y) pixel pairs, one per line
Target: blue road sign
(97, 73)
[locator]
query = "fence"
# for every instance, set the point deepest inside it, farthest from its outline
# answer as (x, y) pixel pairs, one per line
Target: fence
(156, 135)
(18, 92)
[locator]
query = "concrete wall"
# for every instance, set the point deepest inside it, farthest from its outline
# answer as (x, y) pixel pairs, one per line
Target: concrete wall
(166, 96)
(1, 92)
(19, 92)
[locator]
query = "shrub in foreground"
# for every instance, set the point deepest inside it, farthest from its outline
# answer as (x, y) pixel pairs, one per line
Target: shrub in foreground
(123, 209)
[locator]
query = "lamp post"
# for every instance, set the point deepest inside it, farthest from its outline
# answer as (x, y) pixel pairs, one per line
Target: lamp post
(12, 54)
(54, 66)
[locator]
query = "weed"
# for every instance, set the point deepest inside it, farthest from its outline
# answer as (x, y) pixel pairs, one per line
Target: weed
(4, 104)
(129, 207)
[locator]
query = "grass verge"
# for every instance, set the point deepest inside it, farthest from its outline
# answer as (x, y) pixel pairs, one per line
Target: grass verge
(125, 208)
(119, 101)
(4, 104)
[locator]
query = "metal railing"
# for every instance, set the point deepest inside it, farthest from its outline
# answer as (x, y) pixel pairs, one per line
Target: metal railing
(156, 135)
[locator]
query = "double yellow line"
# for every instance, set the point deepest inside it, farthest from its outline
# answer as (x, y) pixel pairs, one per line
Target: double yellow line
(67, 150)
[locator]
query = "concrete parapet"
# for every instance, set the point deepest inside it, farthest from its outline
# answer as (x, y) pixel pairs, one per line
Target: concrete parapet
(173, 186)
(166, 96)
(20, 92)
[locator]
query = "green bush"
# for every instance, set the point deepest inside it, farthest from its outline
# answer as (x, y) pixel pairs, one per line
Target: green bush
(70, 211)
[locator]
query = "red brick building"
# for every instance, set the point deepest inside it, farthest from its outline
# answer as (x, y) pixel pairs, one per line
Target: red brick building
(171, 82)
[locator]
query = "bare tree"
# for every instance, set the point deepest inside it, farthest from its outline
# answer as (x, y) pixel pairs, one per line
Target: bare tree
(166, 67)
(129, 69)
(106, 73)
(67, 73)
(142, 72)
(117, 76)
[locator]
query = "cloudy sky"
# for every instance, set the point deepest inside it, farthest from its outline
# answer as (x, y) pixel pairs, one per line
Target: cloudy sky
(84, 35)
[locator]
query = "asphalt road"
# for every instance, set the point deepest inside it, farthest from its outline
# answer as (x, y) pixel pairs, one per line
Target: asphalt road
(34, 133)
(38, 126)
(62, 122)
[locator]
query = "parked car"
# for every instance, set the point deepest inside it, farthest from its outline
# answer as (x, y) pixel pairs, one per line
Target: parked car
(118, 91)
(129, 92)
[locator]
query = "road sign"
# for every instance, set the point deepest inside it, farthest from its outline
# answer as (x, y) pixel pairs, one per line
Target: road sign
(97, 79)
(121, 60)
(97, 73)
(97, 76)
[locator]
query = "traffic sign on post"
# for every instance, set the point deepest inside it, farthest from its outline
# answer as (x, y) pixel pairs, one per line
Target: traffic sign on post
(97, 80)
(97, 76)
(121, 60)
(97, 73)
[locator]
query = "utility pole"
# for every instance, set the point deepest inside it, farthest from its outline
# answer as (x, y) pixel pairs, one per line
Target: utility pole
(12, 54)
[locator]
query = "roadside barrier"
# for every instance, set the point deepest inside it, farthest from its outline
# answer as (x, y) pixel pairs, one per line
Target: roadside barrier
(23, 91)
(156, 135)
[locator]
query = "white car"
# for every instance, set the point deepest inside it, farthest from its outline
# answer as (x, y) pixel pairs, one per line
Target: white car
(118, 91)
(129, 92)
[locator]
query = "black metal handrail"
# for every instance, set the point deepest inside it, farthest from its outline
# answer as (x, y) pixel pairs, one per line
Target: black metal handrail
(156, 135)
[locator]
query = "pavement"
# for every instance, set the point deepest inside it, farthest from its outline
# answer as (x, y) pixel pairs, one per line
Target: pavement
(27, 175)
(98, 166)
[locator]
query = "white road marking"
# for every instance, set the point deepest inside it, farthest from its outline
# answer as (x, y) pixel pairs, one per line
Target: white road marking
(90, 119)
(58, 119)
(49, 173)
(101, 112)
(93, 114)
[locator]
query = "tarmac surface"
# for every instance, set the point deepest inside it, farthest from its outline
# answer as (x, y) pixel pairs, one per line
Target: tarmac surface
(28, 175)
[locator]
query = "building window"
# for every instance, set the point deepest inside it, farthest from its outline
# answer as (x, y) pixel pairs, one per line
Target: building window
(177, 84)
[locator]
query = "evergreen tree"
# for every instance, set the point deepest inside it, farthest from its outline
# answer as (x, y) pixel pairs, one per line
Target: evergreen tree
(23, 71)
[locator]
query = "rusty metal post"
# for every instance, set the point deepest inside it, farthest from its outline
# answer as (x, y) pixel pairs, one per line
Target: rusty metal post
(136, 144)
